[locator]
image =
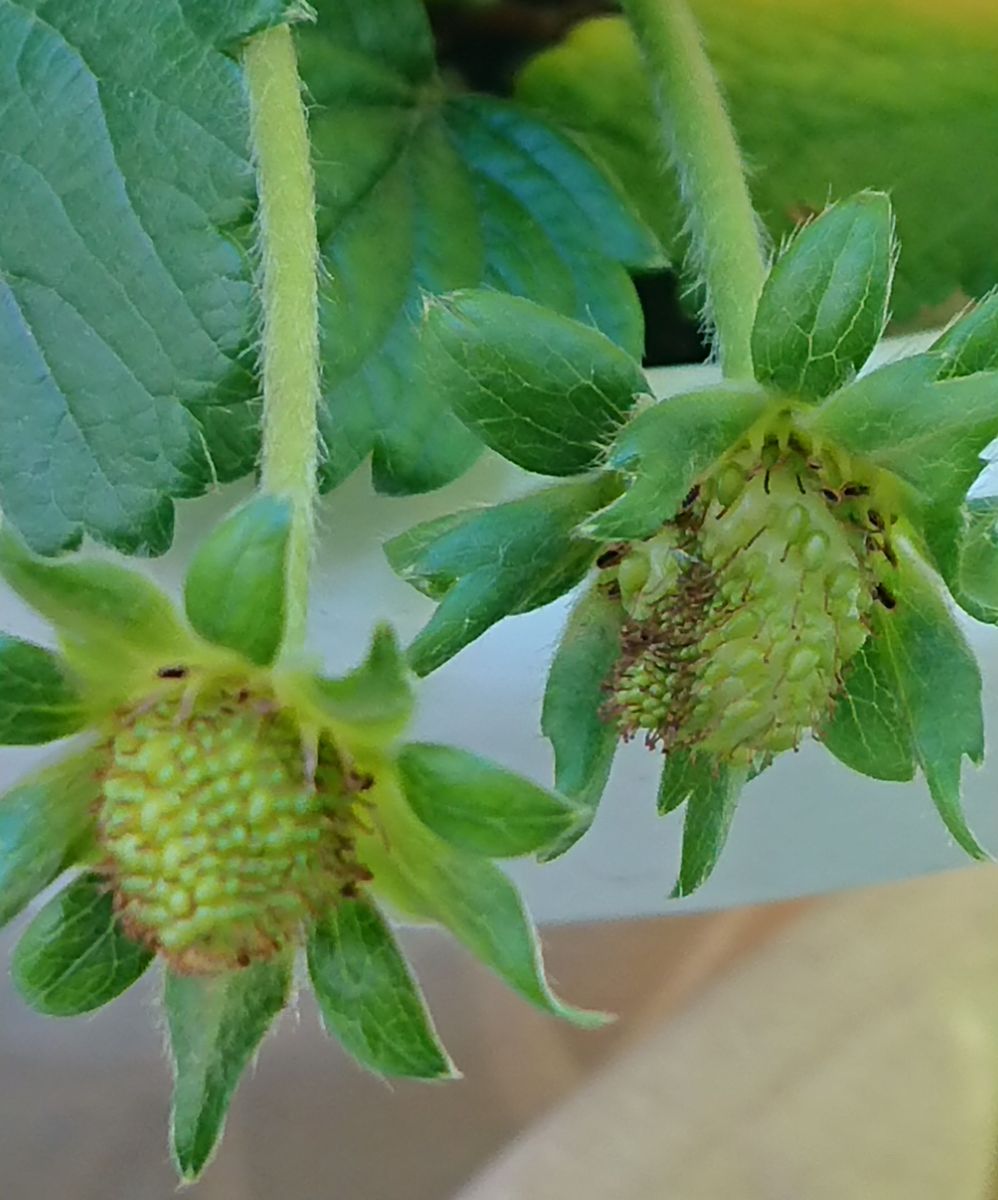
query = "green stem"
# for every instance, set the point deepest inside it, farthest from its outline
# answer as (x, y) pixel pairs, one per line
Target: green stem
(289, 284)
(726, 241)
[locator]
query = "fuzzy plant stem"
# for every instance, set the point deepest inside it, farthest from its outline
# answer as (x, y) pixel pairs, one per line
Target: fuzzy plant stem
(726, 242)
(289, 288)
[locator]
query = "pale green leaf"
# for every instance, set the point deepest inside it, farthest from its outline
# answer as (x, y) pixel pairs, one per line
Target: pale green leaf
(38, 700)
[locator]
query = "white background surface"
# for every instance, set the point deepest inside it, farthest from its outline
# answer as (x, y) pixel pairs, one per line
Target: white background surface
(808, 824)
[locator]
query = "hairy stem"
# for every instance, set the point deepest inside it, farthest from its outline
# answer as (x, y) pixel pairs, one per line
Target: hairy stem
(289, 284)
(725, 233)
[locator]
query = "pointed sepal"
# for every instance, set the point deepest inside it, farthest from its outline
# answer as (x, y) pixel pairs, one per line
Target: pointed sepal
(664, 450)
(39, 702)
(367, 995)
(584, 743)
(478, 806)
(544, 391)
(43, 822)
(710, 790)
(823, 307)
(374, 701)
(489, 564)
(236, 588)
(74, 957)
(216, 1024)
(970, 344)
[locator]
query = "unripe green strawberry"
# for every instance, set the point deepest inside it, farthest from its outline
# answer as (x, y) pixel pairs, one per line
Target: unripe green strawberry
(747, 607)
(218, 845)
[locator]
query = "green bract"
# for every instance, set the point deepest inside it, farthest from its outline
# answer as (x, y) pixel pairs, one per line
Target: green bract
(230, 806)
(768, 560)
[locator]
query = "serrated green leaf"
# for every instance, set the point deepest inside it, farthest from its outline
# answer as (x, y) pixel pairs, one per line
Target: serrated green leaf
(928, 433)
(710, 790)
(127, 310)
(73, 957)
(823, 306)
(503, 560)
(38, 701)
(479, 806)
(546, 392)
(664, 450)
(426, 879)
(104, 614)
(436, 193)
(375, 700)
(216, 1024)
(368, 998)
(922, 659)
(815, 94)
(235, 592)
(867, 729)
(42, 823)
(583, 742)
(970, 344)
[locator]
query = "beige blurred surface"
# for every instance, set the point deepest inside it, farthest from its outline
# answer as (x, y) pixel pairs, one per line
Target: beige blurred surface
(843, 1048)
(853, 1055)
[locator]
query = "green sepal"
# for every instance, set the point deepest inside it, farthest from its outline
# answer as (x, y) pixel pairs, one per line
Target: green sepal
(867, 729)
(73, 957)
(38, 701)
(43, 821)
(375, 701)
(664, 450)
(975, 585)
(970, 344)
(480, 807)
(545, 391)
(235, 591)
(110, 621)
(492, 563)
(216, 1024)
(928, 433)
(584, 743)
(823, 306)
(710, 790)
(368, 998)
(920, 657)
(428, 880)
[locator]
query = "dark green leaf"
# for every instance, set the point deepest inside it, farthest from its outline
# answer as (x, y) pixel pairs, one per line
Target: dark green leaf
(38, 701)
(42, 822)
(921, 659)
(971, 343)
(126, 310)
(104, 614)
(710, 790)
(495, 562)
(73, 957)
(868, 729)
(480, 807)
(823, 307)
(665, 450)
(584, 743)
(236, 585)
(975, 585)
(216, 1024)
(368, 998)
(376, 700)
(928, 433)
(439, 193)
(816, 96)
(546, 392)
(429, 880)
